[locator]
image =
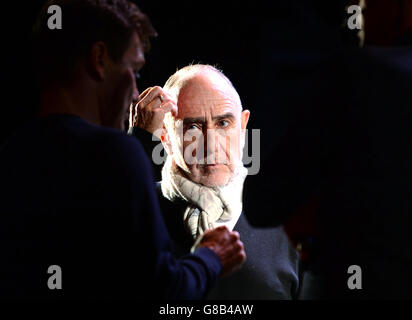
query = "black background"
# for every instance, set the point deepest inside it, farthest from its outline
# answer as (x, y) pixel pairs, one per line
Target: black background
(267, 49)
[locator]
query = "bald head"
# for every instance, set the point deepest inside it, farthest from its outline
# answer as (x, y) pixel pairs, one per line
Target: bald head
(207, 92)
(200, 77)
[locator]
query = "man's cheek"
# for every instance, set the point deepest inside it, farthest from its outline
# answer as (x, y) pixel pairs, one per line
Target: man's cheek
(227, 151)
(126, 86)
(131, 87)
(193, 152)
(235, 150)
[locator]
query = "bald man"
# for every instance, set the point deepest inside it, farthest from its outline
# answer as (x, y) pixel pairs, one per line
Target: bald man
(203, 176)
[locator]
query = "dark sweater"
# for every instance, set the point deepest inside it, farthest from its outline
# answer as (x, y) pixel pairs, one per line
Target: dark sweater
(82, 197)
(271, 267)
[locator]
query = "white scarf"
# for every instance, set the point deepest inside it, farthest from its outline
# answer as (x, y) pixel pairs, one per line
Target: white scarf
(207, 208)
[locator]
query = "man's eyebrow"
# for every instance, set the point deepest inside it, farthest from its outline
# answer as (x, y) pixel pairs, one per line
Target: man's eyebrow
(227, 115)
(194, 120)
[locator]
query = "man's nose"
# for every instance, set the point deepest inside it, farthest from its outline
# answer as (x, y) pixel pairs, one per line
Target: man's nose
(211, 145)
(136, 94)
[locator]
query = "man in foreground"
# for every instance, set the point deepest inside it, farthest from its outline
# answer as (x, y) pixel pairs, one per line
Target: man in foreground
(78, 193)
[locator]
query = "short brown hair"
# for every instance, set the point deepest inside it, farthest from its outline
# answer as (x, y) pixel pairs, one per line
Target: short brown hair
(84, 22)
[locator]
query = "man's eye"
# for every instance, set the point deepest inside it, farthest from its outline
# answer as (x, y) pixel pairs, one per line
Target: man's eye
(193, 127)
(223, 123)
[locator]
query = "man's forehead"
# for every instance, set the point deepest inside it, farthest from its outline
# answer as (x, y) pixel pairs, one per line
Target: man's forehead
(203, 94)
(135, 50)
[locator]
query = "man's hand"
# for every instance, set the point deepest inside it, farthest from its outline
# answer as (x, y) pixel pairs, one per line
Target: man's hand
(227, 246)
(148, 113)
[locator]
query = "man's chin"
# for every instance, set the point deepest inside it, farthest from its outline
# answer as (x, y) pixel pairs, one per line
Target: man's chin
(215, 180)
(213, 167)
(212, 176)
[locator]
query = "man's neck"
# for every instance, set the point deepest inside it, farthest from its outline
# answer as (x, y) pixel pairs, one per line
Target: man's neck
(77, 99)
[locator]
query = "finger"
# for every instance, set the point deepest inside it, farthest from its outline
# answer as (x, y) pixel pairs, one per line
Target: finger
(169, 96)
(163, 104)
(131, 108)
(239, 245)
(240, 256)
(134, 106)
(165, 97)
(174, 110)
(144, 93)
(222, 228)
(169, 106)
(166, 107)
(235, 247)
(149, 105)
(153, 94)
(235, 235)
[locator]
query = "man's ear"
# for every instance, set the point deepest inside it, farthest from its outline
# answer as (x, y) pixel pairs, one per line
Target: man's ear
(99, 60)
(165, 138)
(244, 118)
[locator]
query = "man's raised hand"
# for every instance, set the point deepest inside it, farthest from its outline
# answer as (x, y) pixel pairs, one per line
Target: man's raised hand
(148, 113)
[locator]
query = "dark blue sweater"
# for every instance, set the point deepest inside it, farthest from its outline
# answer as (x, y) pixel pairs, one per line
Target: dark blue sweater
(82, 197)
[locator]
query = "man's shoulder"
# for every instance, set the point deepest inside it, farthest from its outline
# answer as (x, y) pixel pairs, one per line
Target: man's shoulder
(122, 143)
(112, 142)
(108, 138)
(126, 151)
(112, 148)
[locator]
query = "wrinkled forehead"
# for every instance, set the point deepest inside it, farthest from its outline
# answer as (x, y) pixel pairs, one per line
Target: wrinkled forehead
(207, 93)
